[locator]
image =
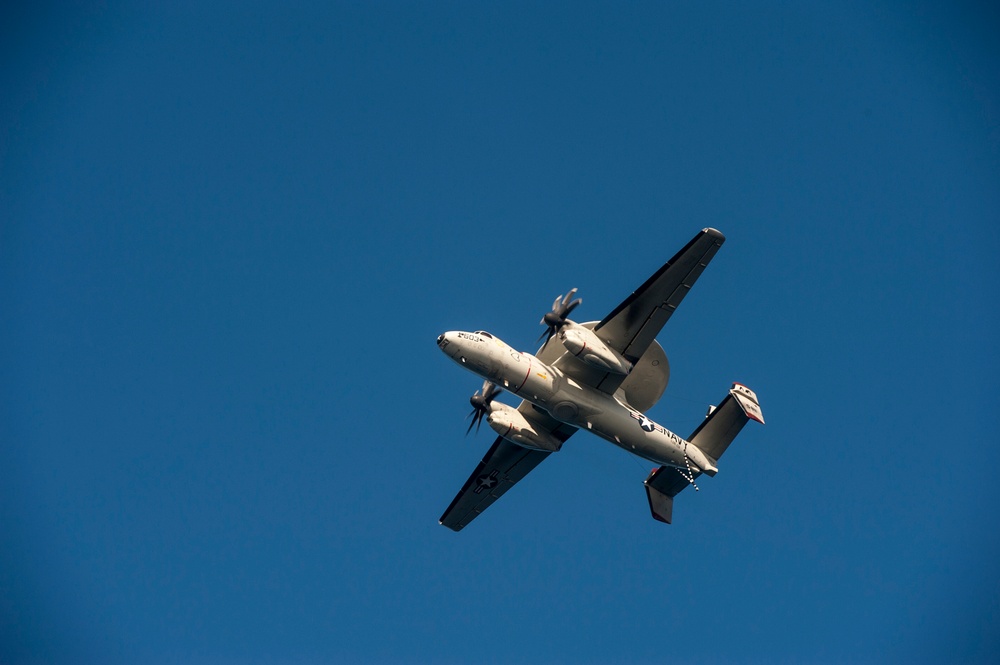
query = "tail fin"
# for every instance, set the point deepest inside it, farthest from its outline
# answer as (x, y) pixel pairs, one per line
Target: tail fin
(724, 422)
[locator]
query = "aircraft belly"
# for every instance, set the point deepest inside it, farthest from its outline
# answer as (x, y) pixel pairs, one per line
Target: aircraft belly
(604, 416)
(565, 400)
(629, 432)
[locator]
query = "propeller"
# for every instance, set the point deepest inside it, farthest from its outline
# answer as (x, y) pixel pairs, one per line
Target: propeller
(556, 319)
(481, 403)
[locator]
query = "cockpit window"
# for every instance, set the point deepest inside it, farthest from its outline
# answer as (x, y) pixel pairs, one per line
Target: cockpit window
(484, 333)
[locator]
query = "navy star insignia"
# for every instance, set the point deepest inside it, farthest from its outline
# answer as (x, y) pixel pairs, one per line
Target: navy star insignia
(486, 482)
(645, 423)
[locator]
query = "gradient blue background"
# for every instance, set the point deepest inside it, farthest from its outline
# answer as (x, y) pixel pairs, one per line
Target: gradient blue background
(231, 233)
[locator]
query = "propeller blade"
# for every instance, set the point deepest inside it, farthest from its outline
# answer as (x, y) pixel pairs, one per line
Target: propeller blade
(548, 334)
(477, 419)
(556, 319)
(480, 402)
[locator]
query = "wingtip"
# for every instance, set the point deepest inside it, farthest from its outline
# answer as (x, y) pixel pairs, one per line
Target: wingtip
(715, 233)
(454, 527)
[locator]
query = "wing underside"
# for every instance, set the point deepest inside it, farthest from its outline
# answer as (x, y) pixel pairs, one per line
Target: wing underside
(504, 464)
(632, 326)
(638, 319)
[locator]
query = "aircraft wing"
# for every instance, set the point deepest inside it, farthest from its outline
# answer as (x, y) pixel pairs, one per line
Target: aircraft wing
(504, 464)
(632, 326)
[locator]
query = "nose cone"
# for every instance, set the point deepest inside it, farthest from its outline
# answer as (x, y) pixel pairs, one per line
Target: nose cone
(446, 342)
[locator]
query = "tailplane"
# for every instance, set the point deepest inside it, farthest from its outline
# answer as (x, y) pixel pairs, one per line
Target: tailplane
(721, 425)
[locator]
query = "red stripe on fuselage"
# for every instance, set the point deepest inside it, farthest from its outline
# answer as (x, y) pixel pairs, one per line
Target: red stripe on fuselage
(526, 375)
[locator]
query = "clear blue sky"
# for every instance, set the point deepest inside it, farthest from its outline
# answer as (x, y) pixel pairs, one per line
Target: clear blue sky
(229, 235)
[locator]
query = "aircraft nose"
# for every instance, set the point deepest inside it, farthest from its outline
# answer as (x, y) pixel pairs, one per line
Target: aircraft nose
(445, 340)
(453, 346)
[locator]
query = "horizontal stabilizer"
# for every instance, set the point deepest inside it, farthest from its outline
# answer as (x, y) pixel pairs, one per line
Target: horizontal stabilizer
(712, 437)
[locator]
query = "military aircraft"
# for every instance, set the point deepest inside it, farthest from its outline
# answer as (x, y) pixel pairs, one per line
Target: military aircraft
(600, 376)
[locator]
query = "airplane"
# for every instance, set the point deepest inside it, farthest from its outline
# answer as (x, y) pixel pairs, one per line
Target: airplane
(600, 376)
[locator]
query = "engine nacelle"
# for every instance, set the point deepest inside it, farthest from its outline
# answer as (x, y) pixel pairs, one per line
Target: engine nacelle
(511, 424)
(588, 347)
